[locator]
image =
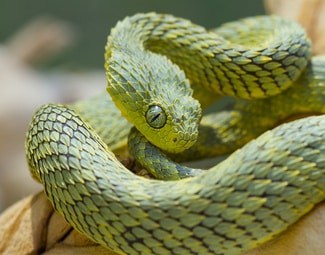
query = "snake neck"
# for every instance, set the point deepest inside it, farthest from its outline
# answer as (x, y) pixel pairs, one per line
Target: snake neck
(155, 161)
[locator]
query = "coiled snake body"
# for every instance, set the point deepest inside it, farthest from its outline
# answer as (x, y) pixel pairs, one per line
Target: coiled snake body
(151, 60)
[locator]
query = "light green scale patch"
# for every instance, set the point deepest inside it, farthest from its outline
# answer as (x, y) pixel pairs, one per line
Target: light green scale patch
(181, 233)
(211, 240)
(230, 214)
(123, 244)
(194, 245)
(224, 228)
(288, 61)
(151, 242)
(142, 248)
(114, 232)
(260, 60)
(191, 220)
(52, 117)
(253, 203)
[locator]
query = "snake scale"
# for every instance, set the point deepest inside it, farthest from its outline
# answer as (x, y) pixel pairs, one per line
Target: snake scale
(151, 60)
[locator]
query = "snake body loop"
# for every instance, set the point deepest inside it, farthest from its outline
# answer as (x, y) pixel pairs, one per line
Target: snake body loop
(151, 60)
(208, 60)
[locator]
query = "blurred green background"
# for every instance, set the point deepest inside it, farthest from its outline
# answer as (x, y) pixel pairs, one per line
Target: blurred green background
(92, 20)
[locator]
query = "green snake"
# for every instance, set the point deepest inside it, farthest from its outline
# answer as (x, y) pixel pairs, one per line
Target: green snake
(159, 68)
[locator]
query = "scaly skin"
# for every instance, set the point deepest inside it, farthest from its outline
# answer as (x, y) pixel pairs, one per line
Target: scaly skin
(238, 204)
(137, 77)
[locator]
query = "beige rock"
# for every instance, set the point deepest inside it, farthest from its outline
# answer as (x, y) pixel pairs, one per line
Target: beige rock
(32, 227)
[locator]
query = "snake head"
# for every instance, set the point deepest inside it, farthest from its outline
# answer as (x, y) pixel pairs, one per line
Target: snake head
(155, 96)
(172, 127)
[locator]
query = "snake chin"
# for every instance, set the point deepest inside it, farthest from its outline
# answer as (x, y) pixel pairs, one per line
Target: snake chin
(184, 141)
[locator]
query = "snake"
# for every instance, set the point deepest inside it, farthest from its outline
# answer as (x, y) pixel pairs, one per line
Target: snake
(163, 74)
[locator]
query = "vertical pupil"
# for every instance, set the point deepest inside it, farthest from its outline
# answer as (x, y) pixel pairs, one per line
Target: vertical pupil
(155, 117)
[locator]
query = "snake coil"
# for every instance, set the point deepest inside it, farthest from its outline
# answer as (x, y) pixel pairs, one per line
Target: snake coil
(151, 60)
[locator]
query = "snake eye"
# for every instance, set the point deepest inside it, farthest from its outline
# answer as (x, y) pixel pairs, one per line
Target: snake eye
(156, 117)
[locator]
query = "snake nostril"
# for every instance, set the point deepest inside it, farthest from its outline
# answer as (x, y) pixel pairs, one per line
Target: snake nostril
(175, 140)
